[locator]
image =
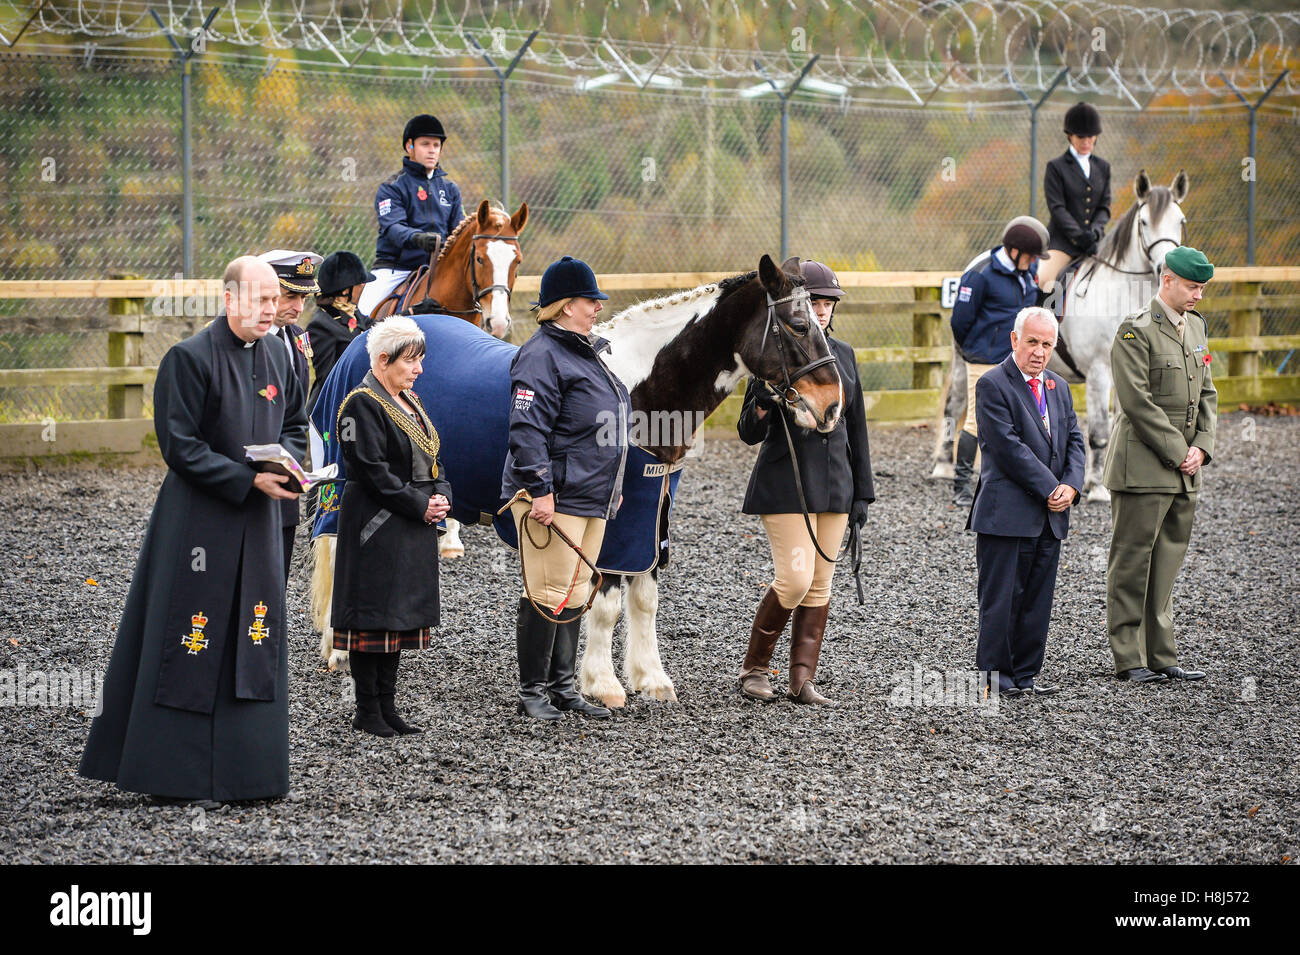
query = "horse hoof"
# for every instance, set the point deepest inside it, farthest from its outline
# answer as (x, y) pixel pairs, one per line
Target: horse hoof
(1099, 495)
(662, 693)
(339, 662)
(614, 701)
(942, 472)
(451, 553)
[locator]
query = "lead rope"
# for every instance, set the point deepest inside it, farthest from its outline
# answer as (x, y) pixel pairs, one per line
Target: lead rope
(523, 531)
(854, 545)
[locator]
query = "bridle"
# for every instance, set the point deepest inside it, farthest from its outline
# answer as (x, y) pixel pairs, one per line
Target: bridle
(1146, 246)
(784, 334)
(476, 307)
(473, 269)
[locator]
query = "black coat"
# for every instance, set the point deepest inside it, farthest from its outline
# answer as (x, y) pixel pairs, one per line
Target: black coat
(835, 468)
(386, 565)
(1078, 206)
(195, 706)
(568, 424)
(330, 335)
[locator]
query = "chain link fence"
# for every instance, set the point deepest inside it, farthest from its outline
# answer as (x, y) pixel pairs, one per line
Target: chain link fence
(633, 181)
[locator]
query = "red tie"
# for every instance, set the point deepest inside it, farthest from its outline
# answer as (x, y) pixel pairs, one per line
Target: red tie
(1033, 386)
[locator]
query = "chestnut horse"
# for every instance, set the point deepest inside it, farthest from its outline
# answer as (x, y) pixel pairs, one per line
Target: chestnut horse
(485, 246)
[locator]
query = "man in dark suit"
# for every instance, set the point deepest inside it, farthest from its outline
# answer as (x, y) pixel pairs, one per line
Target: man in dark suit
(297, 274)
(1034, 459)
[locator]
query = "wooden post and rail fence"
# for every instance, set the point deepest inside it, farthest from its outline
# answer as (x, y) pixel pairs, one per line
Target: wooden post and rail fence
(125, 429)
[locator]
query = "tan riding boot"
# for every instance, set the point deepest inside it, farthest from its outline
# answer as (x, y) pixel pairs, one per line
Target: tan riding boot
(805, 647)
(769, 621)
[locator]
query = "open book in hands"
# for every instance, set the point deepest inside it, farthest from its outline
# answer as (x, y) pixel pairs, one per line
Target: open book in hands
(274, 458)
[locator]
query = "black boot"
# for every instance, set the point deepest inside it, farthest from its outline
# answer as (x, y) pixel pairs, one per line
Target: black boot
(386, 682)
(564, 665)
(364, 673)
(534, 641)
(967, 445)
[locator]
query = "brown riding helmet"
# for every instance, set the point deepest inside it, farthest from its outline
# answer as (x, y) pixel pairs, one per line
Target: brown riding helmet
(820, 281)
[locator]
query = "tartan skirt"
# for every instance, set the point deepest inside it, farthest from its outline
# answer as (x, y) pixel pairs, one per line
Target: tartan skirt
(381, 641)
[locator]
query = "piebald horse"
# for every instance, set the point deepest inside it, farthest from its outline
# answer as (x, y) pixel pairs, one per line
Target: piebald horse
(480, 258)
(680, 357)
(1120, 279)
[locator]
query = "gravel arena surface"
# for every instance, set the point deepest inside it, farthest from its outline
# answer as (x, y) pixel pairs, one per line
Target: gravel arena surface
(1102, 772)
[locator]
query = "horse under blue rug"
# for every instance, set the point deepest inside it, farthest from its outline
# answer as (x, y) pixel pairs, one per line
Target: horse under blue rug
(465, 388)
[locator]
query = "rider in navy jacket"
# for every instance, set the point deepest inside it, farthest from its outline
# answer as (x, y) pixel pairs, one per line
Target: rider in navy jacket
(403, 214)
(988, 300)
(568, 423)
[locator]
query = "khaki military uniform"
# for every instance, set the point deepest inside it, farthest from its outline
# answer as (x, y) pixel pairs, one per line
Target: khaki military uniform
(1167, 404)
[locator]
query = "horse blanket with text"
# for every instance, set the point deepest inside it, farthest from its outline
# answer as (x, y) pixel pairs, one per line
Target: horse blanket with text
(465, 388)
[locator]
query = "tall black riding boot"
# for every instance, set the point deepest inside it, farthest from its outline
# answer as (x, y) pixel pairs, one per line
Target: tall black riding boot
(386, 682)
(967, 445)
(564, 668)
(365, 668)
(534, 642)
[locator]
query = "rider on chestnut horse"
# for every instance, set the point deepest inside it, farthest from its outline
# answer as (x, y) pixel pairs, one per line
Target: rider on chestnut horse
(417, 208)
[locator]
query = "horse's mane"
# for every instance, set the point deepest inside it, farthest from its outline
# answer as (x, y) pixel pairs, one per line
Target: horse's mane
(454, 234)
(725, 287)
(1110, 251)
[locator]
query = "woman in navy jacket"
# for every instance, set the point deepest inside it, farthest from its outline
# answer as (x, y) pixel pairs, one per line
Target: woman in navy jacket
(835, 472)
(568, 448)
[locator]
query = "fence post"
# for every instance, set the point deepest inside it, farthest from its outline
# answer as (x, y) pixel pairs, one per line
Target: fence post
(126, 349)
(927, 332)
(1245, 323)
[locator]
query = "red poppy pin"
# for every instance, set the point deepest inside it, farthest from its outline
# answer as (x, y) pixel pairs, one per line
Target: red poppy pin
(1208, 358)
(1051, 385)
(352, 324)
(269, 393)
(422, 194)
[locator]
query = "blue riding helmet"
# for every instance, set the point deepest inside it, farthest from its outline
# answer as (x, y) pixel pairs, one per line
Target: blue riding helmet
(568, 278)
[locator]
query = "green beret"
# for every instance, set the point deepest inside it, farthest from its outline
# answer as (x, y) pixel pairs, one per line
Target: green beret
(1190, 263)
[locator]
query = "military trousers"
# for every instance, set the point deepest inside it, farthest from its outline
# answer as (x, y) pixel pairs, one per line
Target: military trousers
(1147, 546)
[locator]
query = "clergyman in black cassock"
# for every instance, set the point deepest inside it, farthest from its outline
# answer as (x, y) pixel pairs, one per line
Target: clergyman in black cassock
(195, 698)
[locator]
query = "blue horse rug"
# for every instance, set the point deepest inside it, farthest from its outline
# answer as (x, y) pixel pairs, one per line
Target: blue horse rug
(465, 388)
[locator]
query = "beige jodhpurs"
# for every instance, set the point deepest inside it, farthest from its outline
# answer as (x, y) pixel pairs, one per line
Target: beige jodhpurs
(803, 577)
(549, 566)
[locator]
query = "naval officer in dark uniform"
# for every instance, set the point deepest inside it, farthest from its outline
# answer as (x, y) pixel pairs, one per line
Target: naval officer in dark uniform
(195, 700)
(297, 274)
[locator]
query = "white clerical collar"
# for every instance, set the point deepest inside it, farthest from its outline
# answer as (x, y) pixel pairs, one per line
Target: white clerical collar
(1081, 160)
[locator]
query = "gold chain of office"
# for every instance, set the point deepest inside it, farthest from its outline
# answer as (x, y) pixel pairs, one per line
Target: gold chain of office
(428, 443)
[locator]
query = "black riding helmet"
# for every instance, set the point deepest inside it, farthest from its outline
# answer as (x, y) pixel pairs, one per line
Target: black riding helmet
(1082, 119)
(423, 125)
(340, 271)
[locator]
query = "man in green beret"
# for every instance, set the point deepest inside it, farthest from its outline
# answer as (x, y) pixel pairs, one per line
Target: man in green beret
(1164, 433)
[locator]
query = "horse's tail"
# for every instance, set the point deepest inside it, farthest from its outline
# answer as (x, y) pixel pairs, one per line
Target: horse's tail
(322, 580)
